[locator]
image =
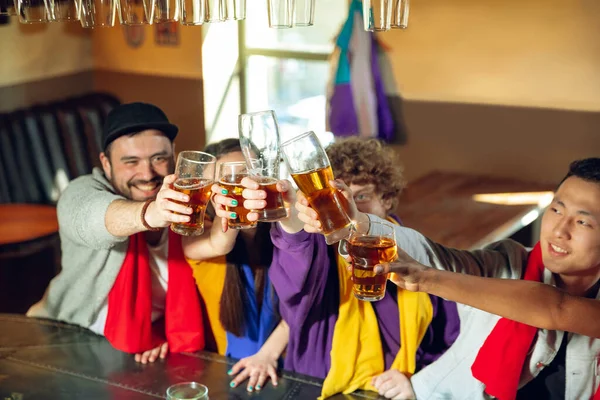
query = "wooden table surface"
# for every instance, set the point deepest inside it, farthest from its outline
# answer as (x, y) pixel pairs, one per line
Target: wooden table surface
(440, 205)
(25, 222)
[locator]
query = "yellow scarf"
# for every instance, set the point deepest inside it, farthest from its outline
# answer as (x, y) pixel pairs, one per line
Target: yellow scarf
(210, 279)
(356, 349)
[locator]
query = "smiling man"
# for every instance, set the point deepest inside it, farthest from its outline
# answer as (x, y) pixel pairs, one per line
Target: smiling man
(119, 259)
(500, 358)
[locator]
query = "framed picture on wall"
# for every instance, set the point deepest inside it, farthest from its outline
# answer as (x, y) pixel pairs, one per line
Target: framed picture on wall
(167, 34)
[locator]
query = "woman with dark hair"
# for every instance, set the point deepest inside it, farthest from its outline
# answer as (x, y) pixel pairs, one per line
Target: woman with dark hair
(241, 303)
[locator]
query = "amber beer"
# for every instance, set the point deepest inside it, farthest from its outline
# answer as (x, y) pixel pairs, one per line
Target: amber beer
(366, 252)
(199, 191)
(275, 208)
(326, 201)
(235, 189)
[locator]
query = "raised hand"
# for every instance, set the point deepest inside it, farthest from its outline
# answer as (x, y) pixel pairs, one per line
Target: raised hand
(406, 272)
(220, 201)
(169, 206)
(309, 216)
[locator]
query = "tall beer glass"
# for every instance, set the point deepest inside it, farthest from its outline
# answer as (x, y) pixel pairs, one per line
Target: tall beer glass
(309, 166)
(366, 251)
(195, 173)
(230, 177)
(259, 139)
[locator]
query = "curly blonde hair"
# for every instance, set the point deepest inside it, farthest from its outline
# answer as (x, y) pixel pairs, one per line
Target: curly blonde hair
(362, 161)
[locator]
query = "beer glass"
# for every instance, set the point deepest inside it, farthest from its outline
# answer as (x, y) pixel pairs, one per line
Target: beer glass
(195, 173)
(193, 12)
(63, 10)
(187, 391)
(215, 11)
(377, 15)
(97, 13)
(366, 251)
(309, 166)
(166, 11)
(32, 11)
(281, 13)
(400, 10)
(8, 7)
(230, 178)
(135, 12)
(259, 139)
(305, 13)
(235, 9)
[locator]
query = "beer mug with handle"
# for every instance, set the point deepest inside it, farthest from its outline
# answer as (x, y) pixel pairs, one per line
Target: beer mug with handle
(309, 166)
(195, 173)
(259, 139)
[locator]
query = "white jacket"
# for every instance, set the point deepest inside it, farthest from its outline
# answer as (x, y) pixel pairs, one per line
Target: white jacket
(450, 376)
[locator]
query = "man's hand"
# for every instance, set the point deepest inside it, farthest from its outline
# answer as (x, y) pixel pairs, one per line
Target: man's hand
(406, 272)
(151, 355)
(393, 384)
(170, 206)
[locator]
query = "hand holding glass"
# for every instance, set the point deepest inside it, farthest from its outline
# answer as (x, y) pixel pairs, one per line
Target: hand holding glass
(366, 251)
(259, 139)
(230, 178)
(309, 165)
(195, 172)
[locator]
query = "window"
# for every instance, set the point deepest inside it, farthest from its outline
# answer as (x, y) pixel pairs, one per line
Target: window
(286, 70)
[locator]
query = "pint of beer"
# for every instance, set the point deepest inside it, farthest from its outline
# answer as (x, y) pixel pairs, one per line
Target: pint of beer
(366, 252)
(195, 174)
(230, 177)
(259, 139)
(310, 169)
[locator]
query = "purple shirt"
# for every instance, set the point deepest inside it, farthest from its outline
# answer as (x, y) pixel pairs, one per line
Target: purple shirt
(304, 274)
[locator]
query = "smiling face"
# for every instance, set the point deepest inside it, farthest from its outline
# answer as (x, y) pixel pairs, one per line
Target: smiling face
(570, 232)
(137, 164)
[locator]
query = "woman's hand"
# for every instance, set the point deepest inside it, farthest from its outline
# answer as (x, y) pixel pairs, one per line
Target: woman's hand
(220, 201)
(256, 369)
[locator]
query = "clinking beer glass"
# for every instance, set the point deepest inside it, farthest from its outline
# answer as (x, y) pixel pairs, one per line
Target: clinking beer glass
(195, 173)
(259, 139)
(230, 178)
(366, 251)
(309, 166)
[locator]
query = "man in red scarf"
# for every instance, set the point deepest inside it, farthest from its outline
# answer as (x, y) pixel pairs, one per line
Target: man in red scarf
(124, 274)
(496, 357)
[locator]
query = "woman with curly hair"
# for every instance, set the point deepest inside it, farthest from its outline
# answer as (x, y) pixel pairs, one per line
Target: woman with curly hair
(332, 335)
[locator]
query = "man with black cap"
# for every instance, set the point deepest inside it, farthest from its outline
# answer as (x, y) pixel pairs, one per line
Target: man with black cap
(118, 260)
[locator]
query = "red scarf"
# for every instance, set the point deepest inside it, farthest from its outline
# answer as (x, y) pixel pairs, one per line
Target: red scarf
(128, 323)
(500, 360)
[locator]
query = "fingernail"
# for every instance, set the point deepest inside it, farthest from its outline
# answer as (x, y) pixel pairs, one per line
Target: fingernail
(257, 387)
(275, 383)
(230, 372)
(232, 384)
(233, 215)
(250, 388)
(223, 191)
(378, 269)
(234, 202)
